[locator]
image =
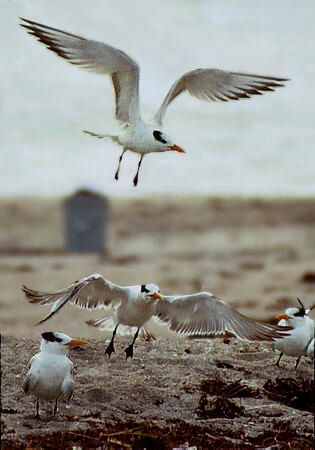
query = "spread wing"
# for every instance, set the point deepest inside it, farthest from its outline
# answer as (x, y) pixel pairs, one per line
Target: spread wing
(89, 293)
(96, 57)
(215, 84)
(204, 314)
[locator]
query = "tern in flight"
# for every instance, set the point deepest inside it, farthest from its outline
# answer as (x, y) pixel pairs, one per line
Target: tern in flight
(139, 136)
(190, 315)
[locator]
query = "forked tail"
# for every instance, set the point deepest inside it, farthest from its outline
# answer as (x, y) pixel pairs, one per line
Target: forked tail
(102, 136)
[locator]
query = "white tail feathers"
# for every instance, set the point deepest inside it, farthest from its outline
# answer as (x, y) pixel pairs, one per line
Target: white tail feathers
(102, 136)
(104, 323)
(109, 323)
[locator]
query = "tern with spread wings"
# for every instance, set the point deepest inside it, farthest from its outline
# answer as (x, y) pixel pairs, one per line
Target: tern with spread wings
(191, 315)
(139, 136)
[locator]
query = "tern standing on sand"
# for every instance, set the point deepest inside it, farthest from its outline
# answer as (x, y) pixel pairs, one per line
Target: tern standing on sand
(50, 373)
(139, 136)
(197, 314)
(300, 342)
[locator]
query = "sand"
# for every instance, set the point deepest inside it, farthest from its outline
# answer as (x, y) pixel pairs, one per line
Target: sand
(256, 255)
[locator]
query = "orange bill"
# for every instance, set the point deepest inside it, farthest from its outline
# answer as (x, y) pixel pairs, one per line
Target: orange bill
(76, 342)
(176, 148)
(282, 316)
(157, 296)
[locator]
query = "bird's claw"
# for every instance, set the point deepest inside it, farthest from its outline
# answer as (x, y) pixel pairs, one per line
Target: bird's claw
(135, 180)
(129, 352)
(110, 349)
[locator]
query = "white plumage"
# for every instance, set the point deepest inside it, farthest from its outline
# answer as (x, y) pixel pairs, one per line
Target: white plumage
(139, 136)
(50, 373)
(300, 341)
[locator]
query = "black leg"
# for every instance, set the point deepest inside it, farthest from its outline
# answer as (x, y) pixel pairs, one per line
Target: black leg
(37, 408)
(277, 363)
(118, 168)
(55, 407)
(135, 180)
(129, 349)
(297, 362)
(110, 348)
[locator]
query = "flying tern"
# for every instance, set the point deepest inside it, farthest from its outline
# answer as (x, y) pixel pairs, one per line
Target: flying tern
(50, 373)
(197, 314)
(300, 341)
(139, 136)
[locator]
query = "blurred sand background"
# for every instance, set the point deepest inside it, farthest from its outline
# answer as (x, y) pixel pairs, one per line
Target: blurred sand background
(257, 255)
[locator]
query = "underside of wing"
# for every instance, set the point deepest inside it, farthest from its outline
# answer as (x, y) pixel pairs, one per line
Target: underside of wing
(218, 85)
(93, 292)
(96, 57)
(204, 314)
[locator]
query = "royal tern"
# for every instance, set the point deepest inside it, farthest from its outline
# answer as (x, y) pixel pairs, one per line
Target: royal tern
(139, 136)
(50, 373)
(299, 341)
(134, 305)
(197, 314)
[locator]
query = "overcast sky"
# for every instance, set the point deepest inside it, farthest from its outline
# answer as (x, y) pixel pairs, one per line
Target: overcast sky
(263, 146)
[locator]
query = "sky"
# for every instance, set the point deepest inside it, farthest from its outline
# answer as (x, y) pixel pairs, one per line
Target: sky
(258, 147)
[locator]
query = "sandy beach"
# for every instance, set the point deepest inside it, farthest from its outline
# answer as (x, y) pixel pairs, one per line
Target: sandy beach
(257, 255)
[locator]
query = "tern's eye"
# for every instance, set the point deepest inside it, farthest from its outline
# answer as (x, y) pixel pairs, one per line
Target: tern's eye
(159, 136)
(300, 313)
(51, 337)
(144, 289)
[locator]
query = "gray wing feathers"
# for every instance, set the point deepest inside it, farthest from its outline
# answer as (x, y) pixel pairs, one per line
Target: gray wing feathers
(67, 389)
(96, 57)
(30, 378)
(204, 314)
(27, 384)
(92, 292)
(218, 85)
(67, 385)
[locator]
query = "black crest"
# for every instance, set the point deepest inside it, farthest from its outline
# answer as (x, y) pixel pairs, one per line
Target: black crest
(302, 311)
(159, 136)
(51, 337)
(144, 289)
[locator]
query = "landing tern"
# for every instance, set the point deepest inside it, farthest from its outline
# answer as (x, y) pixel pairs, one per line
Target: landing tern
(139, 136)
(197, 314)
(50, 373)
(301, 339)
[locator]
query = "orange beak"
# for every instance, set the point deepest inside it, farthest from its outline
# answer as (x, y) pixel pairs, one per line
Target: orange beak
(175, 148)
(157, 296)
(76, 342)
(282, 316)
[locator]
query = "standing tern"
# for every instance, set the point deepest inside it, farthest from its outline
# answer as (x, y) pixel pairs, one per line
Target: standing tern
(50, 373)
(139, 136)
(301, 339)
(197, 314)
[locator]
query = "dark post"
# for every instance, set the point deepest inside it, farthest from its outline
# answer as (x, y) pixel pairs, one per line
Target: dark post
(86, 219)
